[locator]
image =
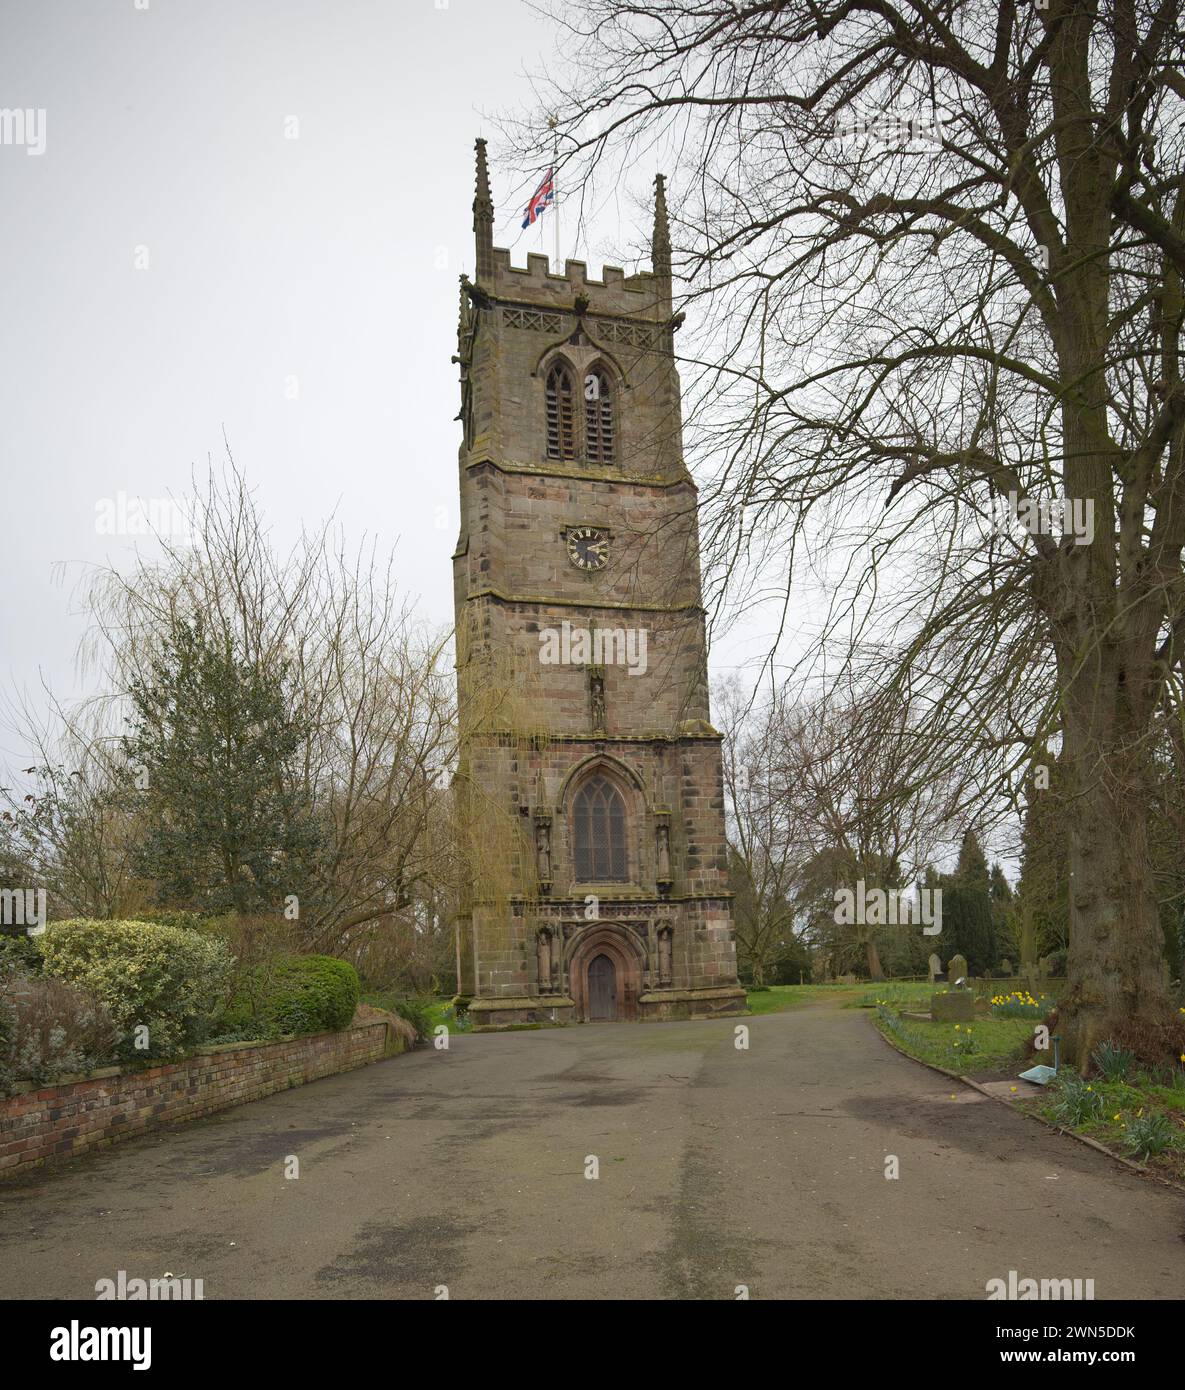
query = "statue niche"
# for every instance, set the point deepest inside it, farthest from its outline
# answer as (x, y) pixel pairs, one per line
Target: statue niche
(665, 935)
(662, 849)
(543, 849)
(545, 957)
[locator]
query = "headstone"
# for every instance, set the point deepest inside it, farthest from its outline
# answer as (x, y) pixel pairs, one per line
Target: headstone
(1005, 966)
(955, 1006)
(956, 969)
(935, 967)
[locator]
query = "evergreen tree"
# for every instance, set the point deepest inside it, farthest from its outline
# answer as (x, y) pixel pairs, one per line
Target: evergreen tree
(968, 910)
(967, 925)
(213, 745)
(1042, 904)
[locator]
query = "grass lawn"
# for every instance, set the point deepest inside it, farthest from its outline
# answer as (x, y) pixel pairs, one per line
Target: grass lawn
(985, 1044)
(910, 995)
(780, 997)
(898, 994)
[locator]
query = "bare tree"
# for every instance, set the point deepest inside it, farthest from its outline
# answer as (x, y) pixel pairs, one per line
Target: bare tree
(937, 255)
(853, 787)
(370, 681)
(70, 823)
(766, 853)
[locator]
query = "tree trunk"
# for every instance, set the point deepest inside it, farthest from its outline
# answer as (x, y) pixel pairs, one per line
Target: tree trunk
(1028, 938)
(874, 959)
(1116, 971)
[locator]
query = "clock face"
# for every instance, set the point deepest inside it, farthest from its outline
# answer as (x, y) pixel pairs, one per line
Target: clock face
(588, 547)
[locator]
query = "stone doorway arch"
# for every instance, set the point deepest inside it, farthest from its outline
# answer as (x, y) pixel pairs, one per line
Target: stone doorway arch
(619, 950)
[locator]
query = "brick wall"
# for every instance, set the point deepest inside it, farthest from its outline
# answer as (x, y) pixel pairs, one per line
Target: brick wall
(79, 1114)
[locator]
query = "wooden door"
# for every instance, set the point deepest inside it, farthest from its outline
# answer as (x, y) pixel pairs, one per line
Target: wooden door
(602, 990)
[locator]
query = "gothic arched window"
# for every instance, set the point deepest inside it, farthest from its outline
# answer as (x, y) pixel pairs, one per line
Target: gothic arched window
(598, 833)
(598, 417)
(561, 414)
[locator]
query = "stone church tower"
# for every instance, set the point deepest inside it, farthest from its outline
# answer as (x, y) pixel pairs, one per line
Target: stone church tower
(589, 780)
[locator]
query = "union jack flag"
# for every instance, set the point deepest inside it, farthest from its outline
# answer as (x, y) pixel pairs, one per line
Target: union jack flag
(543, 197)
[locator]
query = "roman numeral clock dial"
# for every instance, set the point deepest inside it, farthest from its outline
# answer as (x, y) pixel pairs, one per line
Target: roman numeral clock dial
(588, 547)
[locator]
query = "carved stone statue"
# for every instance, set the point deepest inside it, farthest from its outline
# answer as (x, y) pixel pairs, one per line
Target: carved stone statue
(663, 831)
(664, 955)
(543, 948)
(543, 847)
(596, 686)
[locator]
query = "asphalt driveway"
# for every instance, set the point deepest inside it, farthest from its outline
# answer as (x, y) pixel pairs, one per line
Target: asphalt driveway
(717, 1168)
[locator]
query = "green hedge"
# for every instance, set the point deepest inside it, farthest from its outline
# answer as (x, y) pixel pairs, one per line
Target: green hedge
(169, 979)
(312, 994)
(297, 994)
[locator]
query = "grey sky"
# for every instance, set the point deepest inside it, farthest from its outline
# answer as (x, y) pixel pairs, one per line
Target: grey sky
(299, 293)
(329, 261)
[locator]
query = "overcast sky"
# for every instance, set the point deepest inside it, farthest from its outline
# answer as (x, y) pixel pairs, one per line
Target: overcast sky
(177, 266)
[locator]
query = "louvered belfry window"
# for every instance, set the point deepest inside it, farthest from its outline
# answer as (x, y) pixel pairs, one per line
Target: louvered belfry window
(561, 414)
(598, 418)
(598, 826)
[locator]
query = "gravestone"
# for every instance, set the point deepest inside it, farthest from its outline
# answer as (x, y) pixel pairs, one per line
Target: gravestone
(935, 967)
(956, 969)
(1005, 966)
(955, 1006)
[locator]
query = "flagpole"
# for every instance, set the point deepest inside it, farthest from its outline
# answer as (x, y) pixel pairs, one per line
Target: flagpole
(555, 187)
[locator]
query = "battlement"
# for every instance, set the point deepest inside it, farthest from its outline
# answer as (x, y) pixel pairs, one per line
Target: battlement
(575, 277)
(537, 283)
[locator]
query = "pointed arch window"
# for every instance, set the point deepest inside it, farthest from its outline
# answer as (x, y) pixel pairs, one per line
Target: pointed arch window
(561, 414)
(598, 417)
(598, 833)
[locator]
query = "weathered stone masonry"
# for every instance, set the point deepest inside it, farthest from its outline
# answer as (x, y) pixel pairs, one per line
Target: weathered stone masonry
(539, 738)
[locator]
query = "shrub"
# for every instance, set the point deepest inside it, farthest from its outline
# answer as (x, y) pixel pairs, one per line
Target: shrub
(49, 1029)
(169, 979)
(417, 1012)
(310, 994)
(1114, 1062)
(19, 956)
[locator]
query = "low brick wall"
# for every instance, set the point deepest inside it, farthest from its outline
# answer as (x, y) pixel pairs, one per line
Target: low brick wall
(83, 1113)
